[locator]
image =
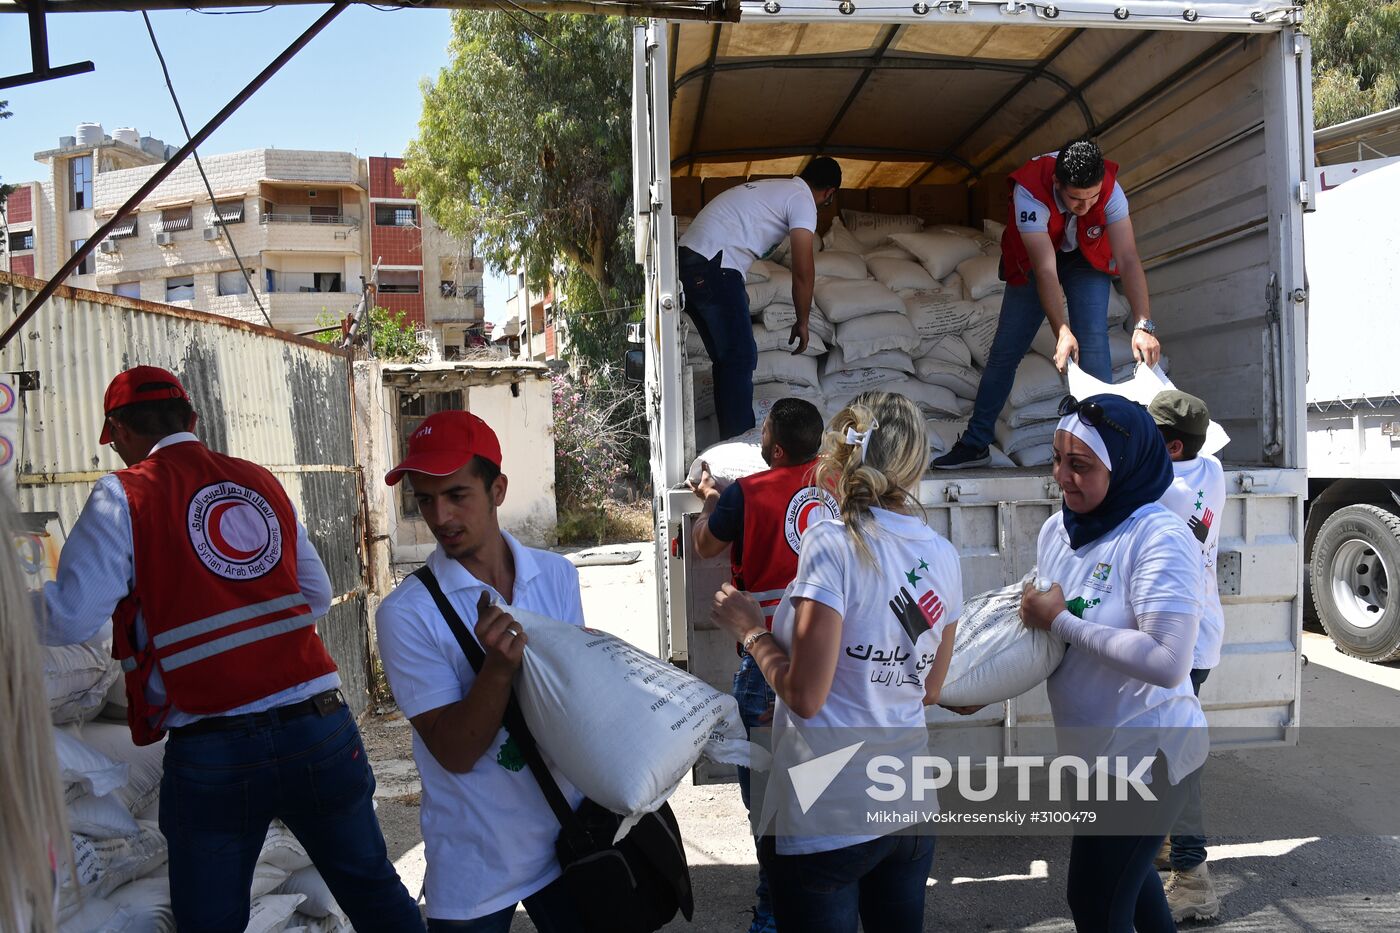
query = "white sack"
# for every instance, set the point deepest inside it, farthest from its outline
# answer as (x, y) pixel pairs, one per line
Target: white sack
(1038, 455)
(1141, 388)
(147, 900)
(622, 725)
(760, 295)
(838, 264)
(729, 460)
(282, 848)
(77, 677)
(782, 366)
(767, 340)
(994, 229)
(1044, 341)
(85, 770)
(103, 865)
(146, 762)
(950, 347)
(1036, 379)
(839, 387)
(936, 313)
(1120, 348)
(764, 271)
(979, 276)
(1118, 307)
(963, 380)
(782, 253)
(844, 299)
(900, 273)
(942, 435)
(869, 334)
(1014, 440)
(319, 901)
(1047, 409)
(836, 362)
(780, 316)
(872, 229)
(939, 252)
(97, 915)
(888, 251)
(267, 878)
(933, 401)
(103, 817)
(995, 656)
(271, 912)
(839, 238)
(979, 333)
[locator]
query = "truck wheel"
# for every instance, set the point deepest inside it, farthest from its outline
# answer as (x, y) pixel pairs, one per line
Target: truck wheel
(1356, 581)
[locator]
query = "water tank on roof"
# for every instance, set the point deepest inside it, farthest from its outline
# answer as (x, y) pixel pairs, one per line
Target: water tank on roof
(128, 135)
(67, 142)
(90, 134)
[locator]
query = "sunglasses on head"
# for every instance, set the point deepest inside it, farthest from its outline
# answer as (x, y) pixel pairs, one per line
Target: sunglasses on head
(1091, 413)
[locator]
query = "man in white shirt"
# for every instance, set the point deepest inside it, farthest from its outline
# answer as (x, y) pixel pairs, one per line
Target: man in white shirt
(1197, 494)
(213, 589)
(740, 225)
(1067, 235)
(487, 828)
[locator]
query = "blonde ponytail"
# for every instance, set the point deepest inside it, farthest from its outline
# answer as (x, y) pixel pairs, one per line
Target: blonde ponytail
(886, 473)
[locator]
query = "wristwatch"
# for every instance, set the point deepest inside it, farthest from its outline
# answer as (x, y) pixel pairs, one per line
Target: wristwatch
(1146, 326)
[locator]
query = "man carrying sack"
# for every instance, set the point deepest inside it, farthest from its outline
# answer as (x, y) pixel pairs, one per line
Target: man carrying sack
(497, 821)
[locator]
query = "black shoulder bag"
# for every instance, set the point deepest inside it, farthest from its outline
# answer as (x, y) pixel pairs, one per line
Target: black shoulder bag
(635, 886)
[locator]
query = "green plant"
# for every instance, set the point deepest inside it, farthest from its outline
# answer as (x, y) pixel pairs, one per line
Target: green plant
(394, 337)
(595, 425)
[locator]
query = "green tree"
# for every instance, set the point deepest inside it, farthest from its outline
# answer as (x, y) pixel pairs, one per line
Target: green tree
(394, 337)
(524, 146)
(1356, 58)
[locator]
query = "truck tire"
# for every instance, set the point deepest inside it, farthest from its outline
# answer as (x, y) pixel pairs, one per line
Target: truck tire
(1355, 579)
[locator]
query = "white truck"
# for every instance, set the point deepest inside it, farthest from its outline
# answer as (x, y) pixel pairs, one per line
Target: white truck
(1352, 535)
(1207, 108)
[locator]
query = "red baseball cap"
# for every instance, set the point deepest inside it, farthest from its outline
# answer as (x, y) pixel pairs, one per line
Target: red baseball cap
(126, 390)
(446, 442)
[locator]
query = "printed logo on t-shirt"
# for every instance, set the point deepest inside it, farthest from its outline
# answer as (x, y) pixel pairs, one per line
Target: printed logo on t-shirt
(510, 756)
(1099, 577)
(234, 531)
(808, 506)
(1200, 527)
(1079, 605)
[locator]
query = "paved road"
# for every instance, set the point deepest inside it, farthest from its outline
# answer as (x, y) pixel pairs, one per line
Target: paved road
(1330, 860)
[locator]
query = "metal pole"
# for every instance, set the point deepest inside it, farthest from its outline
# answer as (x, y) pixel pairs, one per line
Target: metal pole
(164, 172)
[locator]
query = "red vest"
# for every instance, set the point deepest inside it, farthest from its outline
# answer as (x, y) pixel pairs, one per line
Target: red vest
(1038, 177)
(779, 506)
(215, 545)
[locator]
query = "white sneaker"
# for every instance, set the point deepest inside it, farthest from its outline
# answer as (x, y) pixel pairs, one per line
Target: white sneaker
(1191, 895)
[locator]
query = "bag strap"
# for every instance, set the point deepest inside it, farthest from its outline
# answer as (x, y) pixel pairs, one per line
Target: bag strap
(514, 719)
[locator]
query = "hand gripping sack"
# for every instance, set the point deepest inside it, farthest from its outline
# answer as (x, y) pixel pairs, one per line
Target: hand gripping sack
(623, 875)
(995, 656)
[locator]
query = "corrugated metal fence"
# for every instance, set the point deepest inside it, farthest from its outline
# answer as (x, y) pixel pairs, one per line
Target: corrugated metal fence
(266, 396)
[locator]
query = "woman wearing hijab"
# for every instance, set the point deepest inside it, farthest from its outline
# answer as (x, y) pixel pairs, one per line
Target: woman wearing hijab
(1131, 571)
(861, 642)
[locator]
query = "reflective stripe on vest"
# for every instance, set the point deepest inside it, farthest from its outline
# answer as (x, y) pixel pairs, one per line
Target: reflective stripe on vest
(236, 640)
(768, 601)
(224, 619)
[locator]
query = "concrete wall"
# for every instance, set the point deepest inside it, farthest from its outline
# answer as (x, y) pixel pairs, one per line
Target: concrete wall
(514, 399)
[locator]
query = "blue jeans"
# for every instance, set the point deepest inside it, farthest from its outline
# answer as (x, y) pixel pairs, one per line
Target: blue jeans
(551, 910)
(1113, 887)
(879, 884)
(220, 791)
(718, 306)
(755, 699)
(1086, 290)
(1189, 850)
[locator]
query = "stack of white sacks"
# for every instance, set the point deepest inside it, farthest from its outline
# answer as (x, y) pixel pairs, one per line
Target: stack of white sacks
(112, 789)
(911, 308)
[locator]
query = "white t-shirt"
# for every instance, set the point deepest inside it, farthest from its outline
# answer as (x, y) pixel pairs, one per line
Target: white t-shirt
(748, 220)
(883, 658)
(1149, 563)
(1198, 496)
(489, 833)
(1032, 214)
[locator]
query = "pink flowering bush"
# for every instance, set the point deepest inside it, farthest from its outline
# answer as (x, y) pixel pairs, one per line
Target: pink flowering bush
(592, 432)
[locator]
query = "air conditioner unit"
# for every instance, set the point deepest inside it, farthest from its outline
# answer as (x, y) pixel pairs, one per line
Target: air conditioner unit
(213, 233)
(165, 239)
(108, 246)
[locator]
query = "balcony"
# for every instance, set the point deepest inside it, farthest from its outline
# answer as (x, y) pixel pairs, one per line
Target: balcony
(325, 233)
(332, 219)
(298, 311)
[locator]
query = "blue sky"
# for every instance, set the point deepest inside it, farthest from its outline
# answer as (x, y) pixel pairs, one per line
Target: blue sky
(354, 88)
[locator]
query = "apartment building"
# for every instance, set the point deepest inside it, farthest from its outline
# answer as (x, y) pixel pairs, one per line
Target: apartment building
(313, 230)
(542, 332)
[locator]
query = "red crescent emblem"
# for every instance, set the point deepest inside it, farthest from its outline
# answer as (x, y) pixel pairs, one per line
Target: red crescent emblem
(804, 515)
(216, 534)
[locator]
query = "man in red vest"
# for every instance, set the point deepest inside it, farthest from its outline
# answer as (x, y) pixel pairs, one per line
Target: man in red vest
(1067, 235)
(214, 590)
(760, 519)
